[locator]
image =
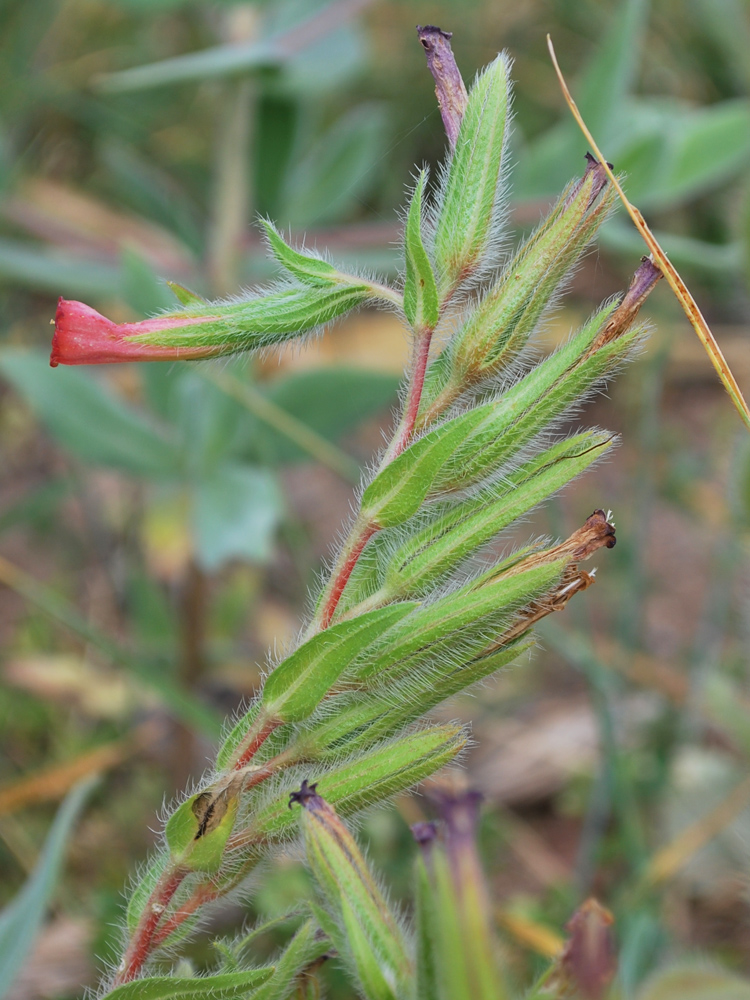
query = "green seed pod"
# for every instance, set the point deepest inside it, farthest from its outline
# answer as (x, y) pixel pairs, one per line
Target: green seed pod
(366, 779)
(432, 553)
(456, 624)
(366, 723)
(547, 392)
(375, 948)
(462, 940)
(469, 201)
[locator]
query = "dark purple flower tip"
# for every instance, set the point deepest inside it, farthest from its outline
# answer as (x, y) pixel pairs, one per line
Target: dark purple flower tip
(305, 795)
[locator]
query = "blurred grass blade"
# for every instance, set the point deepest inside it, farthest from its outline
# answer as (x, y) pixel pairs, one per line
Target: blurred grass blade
(53, 782)
(56, 271)
(20, 921)
(295, 430)
(609, 77)
(232, 59)
(178, 701)
(665, 864)
(678, 286)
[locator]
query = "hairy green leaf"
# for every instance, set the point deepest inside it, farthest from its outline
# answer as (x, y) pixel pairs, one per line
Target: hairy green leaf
(420, 290)
(399, 490)
(367, 779)
(297, 686)
(307, 268)
(225, 986)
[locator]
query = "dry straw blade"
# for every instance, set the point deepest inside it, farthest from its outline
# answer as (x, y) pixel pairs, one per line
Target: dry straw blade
(678, 286)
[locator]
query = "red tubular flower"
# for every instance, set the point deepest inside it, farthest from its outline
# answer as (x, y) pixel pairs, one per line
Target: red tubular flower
(85, 337)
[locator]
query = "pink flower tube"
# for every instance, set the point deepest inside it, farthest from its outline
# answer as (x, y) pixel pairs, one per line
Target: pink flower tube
(85, 337)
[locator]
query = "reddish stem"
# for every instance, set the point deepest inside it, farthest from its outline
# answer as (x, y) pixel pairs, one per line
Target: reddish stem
(414, 397)
(400, 441)
(344, 572)
(143, 939)
(256, 743)
(203, 894)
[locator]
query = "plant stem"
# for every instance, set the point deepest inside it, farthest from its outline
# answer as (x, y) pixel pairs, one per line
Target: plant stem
(254, 740)
(363, 531)
(360, 535)
(401, 438)
(204, 893)
(142, 941)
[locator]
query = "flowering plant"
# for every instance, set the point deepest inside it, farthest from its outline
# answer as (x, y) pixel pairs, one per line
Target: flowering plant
(405, 618)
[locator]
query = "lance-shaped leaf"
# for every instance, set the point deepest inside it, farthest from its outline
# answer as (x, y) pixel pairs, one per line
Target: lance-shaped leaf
(432, 553)
(472, 189)
(365, 780)
(454, 623)
(307, 268)
(376, 950)
(83, 336)
(225, 986)
(197, 832)
(499, 325)
(298, 685)
(420, 290)
(399, 490)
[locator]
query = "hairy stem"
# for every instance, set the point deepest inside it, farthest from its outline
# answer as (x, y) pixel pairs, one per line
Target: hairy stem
(254, 740)
(352, 550)
(402, 437)
(142, 942)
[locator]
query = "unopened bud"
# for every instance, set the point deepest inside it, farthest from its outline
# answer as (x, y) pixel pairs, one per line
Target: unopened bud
(588, 963)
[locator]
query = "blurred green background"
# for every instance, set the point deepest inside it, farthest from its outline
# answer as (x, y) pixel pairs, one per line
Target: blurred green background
(161, 526)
